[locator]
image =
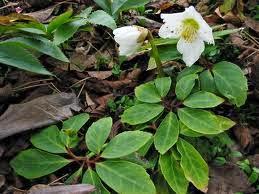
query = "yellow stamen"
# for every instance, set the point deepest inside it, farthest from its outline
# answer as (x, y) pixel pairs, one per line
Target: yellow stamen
(190, 29)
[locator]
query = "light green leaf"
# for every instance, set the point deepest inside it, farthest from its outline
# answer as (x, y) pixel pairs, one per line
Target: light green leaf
(203, 99)
(167, 133)
(225, 123)
(48, 139)
(125, 177)
(97, 134)
(91, 177)
(42, 45)
(126, 143)
(231, 82)
(34, 163)
(121, 5)
(104, 4)
(147, 93)
(184, 130)
(141, 113)
(59, 20)
(102, 18)
(189, 70)
(85, 13)
(195, 168)
(173, 173)
(21, 58)
(185, 85)
(227, 6)
(199, 120)
(75, 123)
(207, 82)
(163, 85)
(67, 30)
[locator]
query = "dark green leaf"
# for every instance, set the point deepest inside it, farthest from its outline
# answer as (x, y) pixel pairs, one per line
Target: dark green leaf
(126, 143)
(163, 85)
(195, 168)
(35, 163)
(231, 82)
(189, 70)
(203, 99)
(121, 5)
(185, 85)
(104, 4)
(207, 82)
(173, 173)
(97, 134)
(141, 113)
(147, 93)
(67, 30)
(72, 179)
(184, 130)
(21, 58)
(125, 177)
(42, 45)
(91, 177)
(49, 140)
(102, 18)
(167, 133)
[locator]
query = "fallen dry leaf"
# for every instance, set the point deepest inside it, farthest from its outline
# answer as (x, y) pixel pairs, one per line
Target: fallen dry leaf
(101, 75)
(37, 113)
(254, 160)
(42, 15)
(228, 179)
(253, 24)
(243, 136)
(64, 189)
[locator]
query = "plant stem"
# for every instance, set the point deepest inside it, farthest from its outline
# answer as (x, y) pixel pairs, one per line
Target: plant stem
(155, 54)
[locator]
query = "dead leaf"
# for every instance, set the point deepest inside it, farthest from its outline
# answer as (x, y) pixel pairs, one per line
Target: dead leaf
(37, 113)
(253, 24)
(254, 160)
(101, 75)
(64, 189)
(228, 179)
(79, 62)
(5, 92)
(42, 15)
(243, 136)
(13, 17)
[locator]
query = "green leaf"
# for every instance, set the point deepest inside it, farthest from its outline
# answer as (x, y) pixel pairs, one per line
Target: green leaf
(163, 85)
(185, 85)
(42, 45)
(141, 113)
(167, 53)
(189, 70)
(102, 18)
(91, 177)
(227, 6)
(162, 186)
(225, 123)
(231, 82)
(207, 82)
(199, 120)
(59, 20)
(184, 130)
(49, 140)
(69, 138)
(72, 179)
(147, 93)
(85, 13)
(126, 143)
(121, 5)
(34, 163)
(195, 168)
(97, 134)
(173, 173)
(67, 30)
(75, 123)
(104, 4)
(203, 99)
(125, 177)
(167, 133)
(21, 58)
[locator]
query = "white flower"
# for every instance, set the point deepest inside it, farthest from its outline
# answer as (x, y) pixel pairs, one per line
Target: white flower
(192, 30)
(130, 38)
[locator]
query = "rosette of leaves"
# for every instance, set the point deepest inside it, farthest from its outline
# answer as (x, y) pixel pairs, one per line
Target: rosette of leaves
(113, 162)
(184, 108)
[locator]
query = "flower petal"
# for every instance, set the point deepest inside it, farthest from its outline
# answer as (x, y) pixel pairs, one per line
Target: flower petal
(191, 50)
(127, 38)
(205, 31)
(172, 25)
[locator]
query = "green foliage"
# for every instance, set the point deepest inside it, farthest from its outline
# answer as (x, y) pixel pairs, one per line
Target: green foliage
(185, 85)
